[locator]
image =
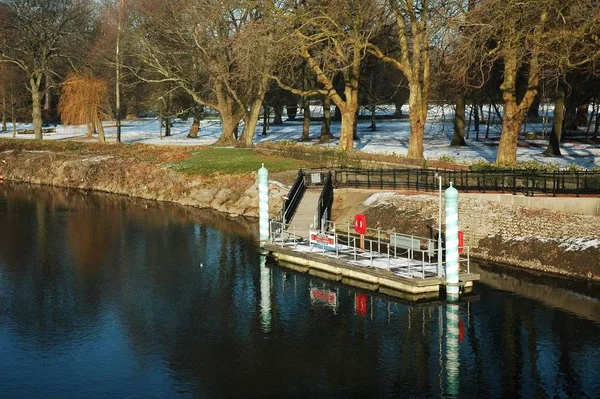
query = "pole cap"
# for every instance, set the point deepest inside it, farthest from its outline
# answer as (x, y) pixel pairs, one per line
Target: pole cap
(263, 172)
(451, 193)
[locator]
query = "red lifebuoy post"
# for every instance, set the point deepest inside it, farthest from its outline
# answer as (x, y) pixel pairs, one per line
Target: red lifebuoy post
(360, 226)
(461, 242)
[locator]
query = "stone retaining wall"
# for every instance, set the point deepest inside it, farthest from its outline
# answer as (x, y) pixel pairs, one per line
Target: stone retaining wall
(539, 239)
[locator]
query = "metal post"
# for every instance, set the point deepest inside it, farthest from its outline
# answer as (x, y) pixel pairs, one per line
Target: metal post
(439, 246)
(263, 204)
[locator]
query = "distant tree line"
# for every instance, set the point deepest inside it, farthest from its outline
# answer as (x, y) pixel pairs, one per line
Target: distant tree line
(246, 58)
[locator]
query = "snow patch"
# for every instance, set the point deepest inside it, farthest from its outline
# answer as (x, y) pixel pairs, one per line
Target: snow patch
(579, 244)
(379, 199)
(569, 243)
(278, 184)
(530, 238)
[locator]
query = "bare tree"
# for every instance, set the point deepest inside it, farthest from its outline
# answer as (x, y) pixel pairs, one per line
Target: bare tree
(522, 37)
(332, 38)
(414, 29)
(35, 35)
(13, 89)
(197, 45)
(3, 93)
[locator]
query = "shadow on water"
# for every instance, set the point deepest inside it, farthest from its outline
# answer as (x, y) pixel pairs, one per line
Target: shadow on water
(575, 296)
(106, 296)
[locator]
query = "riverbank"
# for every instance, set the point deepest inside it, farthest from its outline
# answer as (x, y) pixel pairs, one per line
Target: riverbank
(534, 239)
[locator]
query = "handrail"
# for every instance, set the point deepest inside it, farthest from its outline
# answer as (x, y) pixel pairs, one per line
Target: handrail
(325, 202)
(292, 200)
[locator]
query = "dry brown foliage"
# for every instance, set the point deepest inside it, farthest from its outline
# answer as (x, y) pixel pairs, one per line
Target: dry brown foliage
(84, 100)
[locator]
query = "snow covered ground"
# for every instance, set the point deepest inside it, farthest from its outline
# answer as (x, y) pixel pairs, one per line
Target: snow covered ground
(391, 137)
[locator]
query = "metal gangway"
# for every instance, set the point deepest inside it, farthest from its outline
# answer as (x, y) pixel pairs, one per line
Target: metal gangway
(308, 202)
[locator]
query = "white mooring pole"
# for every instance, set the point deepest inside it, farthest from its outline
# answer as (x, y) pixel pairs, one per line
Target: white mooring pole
(451, 197)
(263, 204)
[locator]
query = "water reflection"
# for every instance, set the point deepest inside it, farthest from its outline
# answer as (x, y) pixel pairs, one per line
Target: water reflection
(102, 296)
(452, 359)
(265, 295)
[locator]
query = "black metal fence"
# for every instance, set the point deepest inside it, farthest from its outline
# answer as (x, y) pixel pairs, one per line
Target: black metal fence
(528, 182)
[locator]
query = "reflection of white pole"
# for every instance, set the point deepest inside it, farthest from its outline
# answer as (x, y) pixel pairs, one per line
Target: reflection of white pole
(265, 295)
(263, 204)
(452, 360)
(451, 197)
(439, 246)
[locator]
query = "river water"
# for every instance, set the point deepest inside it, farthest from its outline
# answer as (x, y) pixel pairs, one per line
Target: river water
(102, 296)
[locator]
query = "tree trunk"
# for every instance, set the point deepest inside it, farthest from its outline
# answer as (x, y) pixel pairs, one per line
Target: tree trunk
(195, 128)
(355, 126)
(597, 125)
(265, 120)
(278, 110)
(118, 71)
(533, 111)
(36, 99)
(229, 118)
(417, 121)
(398, 103)
(514, 111)
(326, 124)
(468, 135)
(589, 125)
(13, 115)
(228, 124)
(570, 121)
(250, 123)
(476, 119)
(100, 127)
(581, 116)
(458, 136)
(292, 111)
(337, 114)
(90, 129)
(306, 119)
(167, 126)
(511, 125)
(373, 126)
(557, 123)
(347, 130)
(4, 111)
(490, 119)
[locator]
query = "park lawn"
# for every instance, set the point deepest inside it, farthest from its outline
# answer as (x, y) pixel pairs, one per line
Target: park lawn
(214, 160)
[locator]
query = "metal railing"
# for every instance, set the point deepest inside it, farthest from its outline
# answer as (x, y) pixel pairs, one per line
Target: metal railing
(419, 253)
(292, 200)
(279, 234)
(528, 182)
(325, 203)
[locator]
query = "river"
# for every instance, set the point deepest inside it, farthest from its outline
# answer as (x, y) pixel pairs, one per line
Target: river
(105, 296)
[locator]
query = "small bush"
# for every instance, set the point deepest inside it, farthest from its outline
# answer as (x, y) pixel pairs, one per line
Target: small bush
(527, 165)
(447, 158)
